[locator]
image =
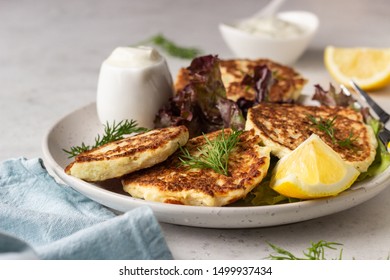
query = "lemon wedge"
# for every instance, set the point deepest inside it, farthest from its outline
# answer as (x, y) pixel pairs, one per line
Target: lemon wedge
(369, 67)
(312, 170)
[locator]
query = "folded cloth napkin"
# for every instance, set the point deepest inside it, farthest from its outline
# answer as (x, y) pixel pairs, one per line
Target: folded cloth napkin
(40, 218)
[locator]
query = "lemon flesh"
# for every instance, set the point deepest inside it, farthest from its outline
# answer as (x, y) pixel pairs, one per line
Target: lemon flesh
(369, 67)
(312, 170)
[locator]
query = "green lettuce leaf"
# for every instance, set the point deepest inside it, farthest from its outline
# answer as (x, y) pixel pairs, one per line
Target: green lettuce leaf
(382, 157)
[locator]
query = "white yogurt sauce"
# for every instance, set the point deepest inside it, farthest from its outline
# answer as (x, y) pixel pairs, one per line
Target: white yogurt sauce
(134, 83)
(271, 27)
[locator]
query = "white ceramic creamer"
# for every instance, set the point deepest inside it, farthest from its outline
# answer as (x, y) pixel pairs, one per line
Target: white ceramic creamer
(134, 83)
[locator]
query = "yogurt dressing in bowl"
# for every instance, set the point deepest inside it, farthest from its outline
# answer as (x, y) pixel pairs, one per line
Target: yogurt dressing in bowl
(282, 38)
(271, 27)
(134, 83)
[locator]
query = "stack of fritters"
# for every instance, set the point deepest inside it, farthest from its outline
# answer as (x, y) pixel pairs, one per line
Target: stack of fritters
(149, 164)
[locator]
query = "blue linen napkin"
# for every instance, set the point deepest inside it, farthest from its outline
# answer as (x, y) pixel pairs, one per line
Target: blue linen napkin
(40, 218)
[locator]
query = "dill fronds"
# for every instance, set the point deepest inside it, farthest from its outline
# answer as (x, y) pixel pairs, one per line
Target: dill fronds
(214, 154)
(315, 252)
(113, 132)
(327, 126)
(171, 47)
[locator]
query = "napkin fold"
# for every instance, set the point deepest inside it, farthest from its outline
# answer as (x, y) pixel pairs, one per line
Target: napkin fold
(40, 218)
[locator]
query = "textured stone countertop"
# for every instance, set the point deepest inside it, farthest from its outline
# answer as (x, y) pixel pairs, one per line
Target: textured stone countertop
(51, 52)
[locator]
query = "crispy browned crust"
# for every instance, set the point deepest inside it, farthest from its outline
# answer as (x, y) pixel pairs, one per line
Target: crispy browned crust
(287, 85)
(288, 126)
(127, 155)
(134, 145)
(174, 181)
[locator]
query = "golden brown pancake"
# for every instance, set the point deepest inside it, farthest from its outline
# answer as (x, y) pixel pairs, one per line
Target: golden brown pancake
(172, 182)
(124, 156)
(282, 127)
(287, 86)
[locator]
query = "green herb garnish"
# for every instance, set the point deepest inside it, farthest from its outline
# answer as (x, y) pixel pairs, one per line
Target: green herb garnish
(172, 48)
(214, 154)
(347, 142)
(111, 133)
(327, 126)
(315, 252)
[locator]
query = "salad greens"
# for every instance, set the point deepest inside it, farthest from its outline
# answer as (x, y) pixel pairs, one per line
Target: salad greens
(202, 105)
(382, 157)
(333, 98)
(264, 195)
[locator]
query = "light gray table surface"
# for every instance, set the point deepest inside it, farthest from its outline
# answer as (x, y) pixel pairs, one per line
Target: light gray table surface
(51, 52)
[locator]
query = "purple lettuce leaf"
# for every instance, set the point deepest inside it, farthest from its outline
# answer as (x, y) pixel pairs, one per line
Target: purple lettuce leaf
(331, 97)
(261, 82)
(202, 105)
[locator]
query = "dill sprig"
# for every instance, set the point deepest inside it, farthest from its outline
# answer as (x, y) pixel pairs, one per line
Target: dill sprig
(327, 126)
(172, 48)
(315, 252)
(347, 142)
(214, 154)
(113, 132)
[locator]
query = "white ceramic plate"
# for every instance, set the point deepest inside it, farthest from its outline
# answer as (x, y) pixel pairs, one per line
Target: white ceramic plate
(82, 126)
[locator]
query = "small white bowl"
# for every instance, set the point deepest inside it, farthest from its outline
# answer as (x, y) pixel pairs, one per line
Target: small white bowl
(283, 50)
